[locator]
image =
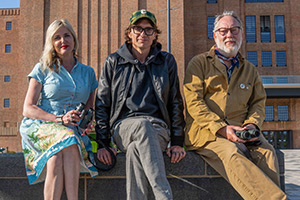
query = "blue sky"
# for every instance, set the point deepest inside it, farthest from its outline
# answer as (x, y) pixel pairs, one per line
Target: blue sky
(9, 4)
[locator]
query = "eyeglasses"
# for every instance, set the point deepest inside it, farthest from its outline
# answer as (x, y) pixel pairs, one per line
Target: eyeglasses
(234, 30)
(148, 30)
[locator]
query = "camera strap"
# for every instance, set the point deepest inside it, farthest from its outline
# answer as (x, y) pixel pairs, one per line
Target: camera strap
(245, 150)
(100, 165)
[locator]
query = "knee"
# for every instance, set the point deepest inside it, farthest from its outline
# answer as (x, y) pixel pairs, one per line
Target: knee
(236, 158)
(131, 149)
(55, 162)
(143, 127)
(142, 123)
(71, 151)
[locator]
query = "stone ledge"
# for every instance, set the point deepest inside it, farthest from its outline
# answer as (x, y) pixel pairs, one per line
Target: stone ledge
(192, 178)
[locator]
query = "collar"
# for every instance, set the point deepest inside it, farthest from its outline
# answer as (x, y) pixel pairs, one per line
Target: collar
(234, 60)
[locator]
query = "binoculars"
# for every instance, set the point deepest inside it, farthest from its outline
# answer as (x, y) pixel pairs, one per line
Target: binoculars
(247, 134)
(86, 115)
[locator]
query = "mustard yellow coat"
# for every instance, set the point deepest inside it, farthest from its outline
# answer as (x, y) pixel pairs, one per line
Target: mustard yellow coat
(211, 102)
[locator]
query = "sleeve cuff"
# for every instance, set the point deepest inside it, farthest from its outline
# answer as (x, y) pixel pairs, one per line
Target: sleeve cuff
(177, 141)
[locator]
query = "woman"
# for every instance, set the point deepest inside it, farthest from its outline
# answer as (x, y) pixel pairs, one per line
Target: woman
(54, 147)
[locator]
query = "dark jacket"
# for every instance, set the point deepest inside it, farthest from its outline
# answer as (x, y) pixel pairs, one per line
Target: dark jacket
(115, 81)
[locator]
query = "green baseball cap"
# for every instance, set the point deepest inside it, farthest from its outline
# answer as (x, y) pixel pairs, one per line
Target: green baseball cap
(142, 14)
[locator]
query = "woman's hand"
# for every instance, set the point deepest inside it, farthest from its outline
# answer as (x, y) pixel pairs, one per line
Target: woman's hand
(71, 118)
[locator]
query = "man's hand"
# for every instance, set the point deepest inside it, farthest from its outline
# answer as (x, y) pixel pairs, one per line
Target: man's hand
(228, 132)
(88, 130)
(104, 156)
(176, 153)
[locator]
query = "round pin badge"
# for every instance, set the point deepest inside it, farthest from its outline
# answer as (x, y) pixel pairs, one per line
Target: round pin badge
(242, 86)
(143, 11)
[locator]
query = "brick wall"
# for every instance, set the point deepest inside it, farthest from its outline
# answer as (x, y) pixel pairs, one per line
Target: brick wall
(100, 28)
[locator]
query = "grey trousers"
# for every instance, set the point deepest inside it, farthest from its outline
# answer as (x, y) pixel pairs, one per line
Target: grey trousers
(143, 139)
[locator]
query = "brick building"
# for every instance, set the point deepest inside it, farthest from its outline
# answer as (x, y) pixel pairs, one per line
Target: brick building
(270, 42)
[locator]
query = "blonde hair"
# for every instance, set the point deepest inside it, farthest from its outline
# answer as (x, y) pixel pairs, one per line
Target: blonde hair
(49, 57)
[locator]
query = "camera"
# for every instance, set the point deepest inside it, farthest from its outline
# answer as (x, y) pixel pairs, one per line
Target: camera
(248, 134)
(85, 115)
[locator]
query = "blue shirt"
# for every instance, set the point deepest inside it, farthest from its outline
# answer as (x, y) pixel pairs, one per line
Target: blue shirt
(63, 91)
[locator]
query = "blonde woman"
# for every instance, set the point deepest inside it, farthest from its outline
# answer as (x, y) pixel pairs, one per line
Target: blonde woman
(54, 147)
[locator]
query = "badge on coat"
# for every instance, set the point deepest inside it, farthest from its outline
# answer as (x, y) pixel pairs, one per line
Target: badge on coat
(243, 86)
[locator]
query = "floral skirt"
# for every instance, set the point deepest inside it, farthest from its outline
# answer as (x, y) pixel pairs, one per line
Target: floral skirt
(41, 140)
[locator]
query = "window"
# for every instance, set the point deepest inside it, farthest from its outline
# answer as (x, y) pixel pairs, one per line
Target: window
(281, 58)
(266, 58)
(6, 124)
(6, 103)
(210, 27)
(6, 78)
(212, 1)
(7, 48)
(279, 29)
(8, 25)
(262, 1)
(252, 57)
(283, 113)
(250, 29)
(265, 29)
(280, 139)
(267, 80)
(282, 80)
(269, 113)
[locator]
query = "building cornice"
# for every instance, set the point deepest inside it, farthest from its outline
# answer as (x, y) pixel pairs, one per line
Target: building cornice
(10, 11)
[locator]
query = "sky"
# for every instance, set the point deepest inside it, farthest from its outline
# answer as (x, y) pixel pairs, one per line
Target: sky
(9, 4)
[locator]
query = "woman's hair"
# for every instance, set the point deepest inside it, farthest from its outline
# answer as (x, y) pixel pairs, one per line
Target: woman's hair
(127, 30)
(49, 57)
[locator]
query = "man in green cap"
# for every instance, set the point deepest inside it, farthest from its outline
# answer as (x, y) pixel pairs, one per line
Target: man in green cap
(139, 104)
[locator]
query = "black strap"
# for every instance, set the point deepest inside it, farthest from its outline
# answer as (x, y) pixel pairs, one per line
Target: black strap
(245, 150)
(100, 165)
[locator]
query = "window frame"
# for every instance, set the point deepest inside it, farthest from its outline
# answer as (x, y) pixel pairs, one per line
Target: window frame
(282, 80)
(210, 27)
(281, 22)
(6, 103)
(247, 18)
(250, 60)
(278, 62)
(263, 58)
(8, 26)
(7, 48)
(285, 115)
(264, 1)
(7, 78)
(267, 80)
(265, 35)
(271, 115)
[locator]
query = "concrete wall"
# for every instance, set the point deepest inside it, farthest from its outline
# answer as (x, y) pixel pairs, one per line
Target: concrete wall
(192, 178)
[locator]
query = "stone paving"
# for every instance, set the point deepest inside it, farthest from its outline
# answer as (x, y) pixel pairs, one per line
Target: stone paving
(292, 173)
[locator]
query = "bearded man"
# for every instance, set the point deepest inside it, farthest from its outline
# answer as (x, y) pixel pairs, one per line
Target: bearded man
(224, 95)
